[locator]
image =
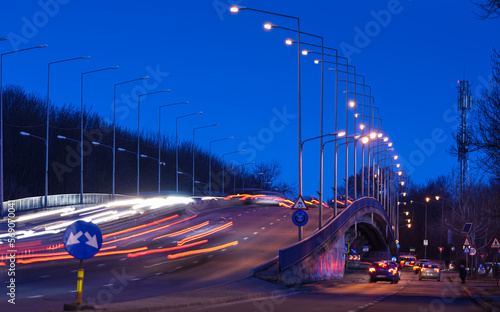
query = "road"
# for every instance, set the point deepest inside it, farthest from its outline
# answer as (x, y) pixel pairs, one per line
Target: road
(226, 244)
(408, 295)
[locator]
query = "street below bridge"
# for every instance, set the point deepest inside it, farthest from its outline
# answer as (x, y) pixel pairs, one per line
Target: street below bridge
(357, 294)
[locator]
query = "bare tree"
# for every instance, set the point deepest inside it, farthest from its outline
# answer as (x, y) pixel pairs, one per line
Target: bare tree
(488, 8)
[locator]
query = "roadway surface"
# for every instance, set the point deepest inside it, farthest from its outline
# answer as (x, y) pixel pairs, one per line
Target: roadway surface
(242, 237)
(408, 295)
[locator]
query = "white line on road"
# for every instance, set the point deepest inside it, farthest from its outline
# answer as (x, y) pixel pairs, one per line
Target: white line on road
(45, 276)
(245, 238)
(100, 264)
(73, 291)
(263, 228)
(271, 223)
(255, 233)
(136, 279)
(37, 296)
(108, 285)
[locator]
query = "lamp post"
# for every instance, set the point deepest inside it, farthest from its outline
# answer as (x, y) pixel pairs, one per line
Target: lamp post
(159, 139)
(48, 122)
(2, 213)
(354, 136)
(62, 137)
(336, 134)
(160, 163)
(177, 149)
(236, 9)
(37, 137)
(425, 234)
(112, 149)
(210, 162)
(114, 127)
(139, 131)
(81, 125)
(194, 131)
(440, 200)
(242, 178)
(224, 166)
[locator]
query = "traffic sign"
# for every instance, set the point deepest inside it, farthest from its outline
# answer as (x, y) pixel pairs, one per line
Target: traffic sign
(300, 204)
(300, 218)
(426, 242)
(354, 257)
(440, 249)
(495, 244)
(473, 251)
(467, 227)
(366, 248)
(483, 256)
(354, 251)
(481, 269)
(346, 248)
(466, 242)
(466, 249)
(82, 239)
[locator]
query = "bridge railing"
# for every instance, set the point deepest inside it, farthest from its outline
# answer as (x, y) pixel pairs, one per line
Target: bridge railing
(37, 202)
(298, 251)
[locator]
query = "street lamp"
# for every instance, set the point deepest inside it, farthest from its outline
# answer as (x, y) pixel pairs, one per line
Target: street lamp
(210, 162)
(40, 138)
(177, 149)
(112, 149)
(159, 139)
(81, 125)
(236, 9)
(114, 127)
(440, 200)
(48, 121)
(224, 166)
(336, 134)
(242, 177)
(194, 131)
(139, 131)
(1, 117)
(425, 235)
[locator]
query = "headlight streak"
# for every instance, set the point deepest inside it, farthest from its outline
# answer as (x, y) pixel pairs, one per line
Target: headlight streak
(139, 226)
(148, 231)
(195, 227)
(81, 210)
(43, 214)
(201, 235)
(199, 251)
(152, 251)
(53, 254)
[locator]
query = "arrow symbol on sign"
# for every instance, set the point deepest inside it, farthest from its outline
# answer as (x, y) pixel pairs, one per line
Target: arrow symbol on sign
(92, 240)
(73, 238)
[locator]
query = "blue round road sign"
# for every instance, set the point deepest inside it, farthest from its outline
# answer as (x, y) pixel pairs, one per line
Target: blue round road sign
(300, 218)
(82, 239)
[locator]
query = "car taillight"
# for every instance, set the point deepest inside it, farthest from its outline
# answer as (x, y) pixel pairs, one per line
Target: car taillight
(437, 270)
(423, 269)
(371, 270)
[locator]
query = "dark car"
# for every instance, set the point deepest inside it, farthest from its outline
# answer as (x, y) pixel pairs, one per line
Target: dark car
(384, 271)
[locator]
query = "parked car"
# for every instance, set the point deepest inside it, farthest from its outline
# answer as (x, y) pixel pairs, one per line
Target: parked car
(429, 270)
(384, 271)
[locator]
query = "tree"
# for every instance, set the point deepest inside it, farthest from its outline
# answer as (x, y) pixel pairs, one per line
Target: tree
(488, 9)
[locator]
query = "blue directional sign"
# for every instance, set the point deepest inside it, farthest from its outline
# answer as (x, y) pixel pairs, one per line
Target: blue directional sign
(82, 239)
(300, 218)
(354, 251)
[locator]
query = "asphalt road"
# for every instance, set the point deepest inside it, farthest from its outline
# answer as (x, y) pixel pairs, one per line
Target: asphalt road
(408, 295)
(260, 231)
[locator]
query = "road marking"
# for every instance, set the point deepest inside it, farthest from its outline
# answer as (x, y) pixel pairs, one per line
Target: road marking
(108, 285)
(271, 223)
(222, 250)
(239, 215)
(230, 218)
(245, 238)
(101, 264)
(73, 271)
(123, 259)
(43, 276)
(136, 279)
(255, 233)
(179, 267)
(159, 273)
(36, 296)
(73, 291)
(195, 261)
(277, 219)
(284, 216)
(263, 228)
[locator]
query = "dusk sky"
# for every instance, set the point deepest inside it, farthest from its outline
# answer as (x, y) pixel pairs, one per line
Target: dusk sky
(412, 53)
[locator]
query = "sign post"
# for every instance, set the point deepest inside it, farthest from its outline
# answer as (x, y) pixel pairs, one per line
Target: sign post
(495, 244)
(300, 205)
(82, 240)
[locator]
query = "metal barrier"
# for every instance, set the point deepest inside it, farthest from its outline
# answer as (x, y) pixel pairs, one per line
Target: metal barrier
(32, 203)
(300, 250)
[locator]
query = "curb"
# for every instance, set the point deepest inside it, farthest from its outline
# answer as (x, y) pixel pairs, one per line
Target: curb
(483, 304)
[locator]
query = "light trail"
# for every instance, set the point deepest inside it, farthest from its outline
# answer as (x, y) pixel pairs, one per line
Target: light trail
(198, 236)
(152, 251)
(183, 231)
(199, 251)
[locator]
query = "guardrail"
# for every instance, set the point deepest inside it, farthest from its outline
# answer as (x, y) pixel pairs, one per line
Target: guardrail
(300, 250)
(38, 202)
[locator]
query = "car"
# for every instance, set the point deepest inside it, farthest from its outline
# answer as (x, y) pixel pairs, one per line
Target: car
(384, 271)
(405, 261)
(418, 265)
(429, 270)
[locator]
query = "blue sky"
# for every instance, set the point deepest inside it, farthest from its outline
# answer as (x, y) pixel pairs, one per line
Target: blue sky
(412, 53)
